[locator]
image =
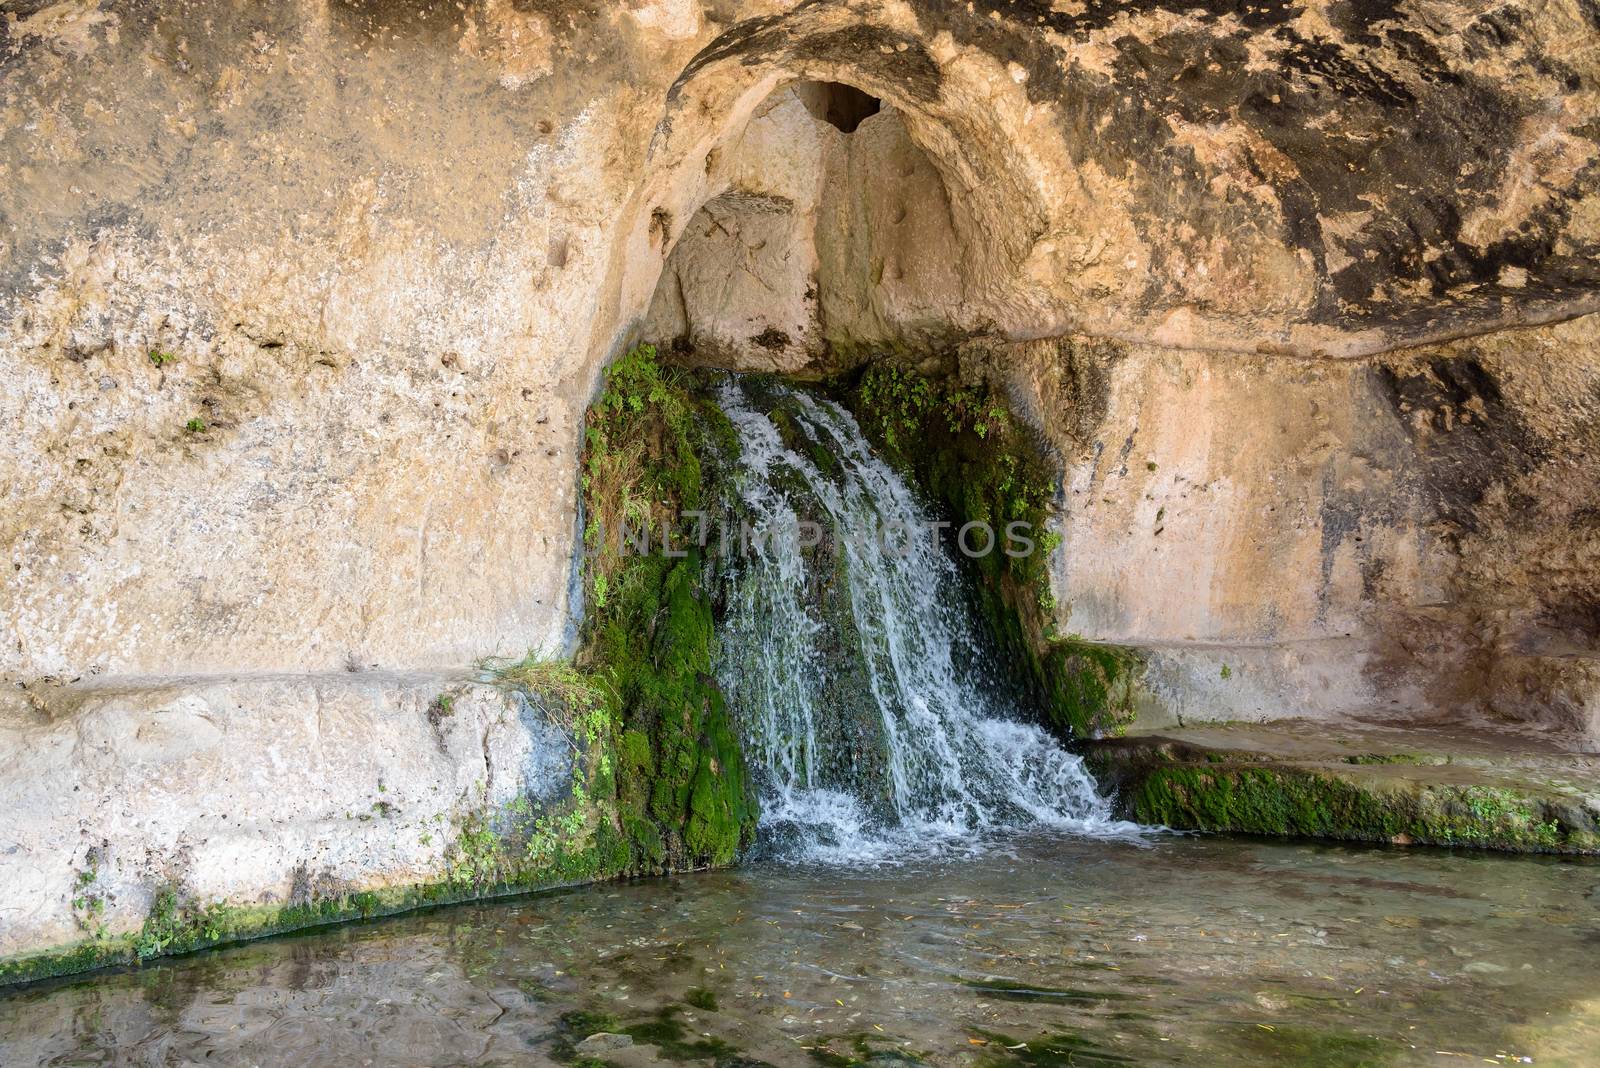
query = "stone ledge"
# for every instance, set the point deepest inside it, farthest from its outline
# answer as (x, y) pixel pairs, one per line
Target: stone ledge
(1411, 786)
(154, 816)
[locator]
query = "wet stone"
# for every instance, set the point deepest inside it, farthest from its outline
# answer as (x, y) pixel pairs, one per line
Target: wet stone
(602, 1042)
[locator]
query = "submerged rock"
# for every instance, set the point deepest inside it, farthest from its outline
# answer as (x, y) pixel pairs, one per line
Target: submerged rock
(602, 1042)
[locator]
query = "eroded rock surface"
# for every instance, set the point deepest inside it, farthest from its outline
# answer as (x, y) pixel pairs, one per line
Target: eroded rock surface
(270, 794)
(301, 306)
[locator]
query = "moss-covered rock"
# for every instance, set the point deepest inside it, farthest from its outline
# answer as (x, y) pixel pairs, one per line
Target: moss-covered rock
(1192, 788)
(654, 448)
(966, 449)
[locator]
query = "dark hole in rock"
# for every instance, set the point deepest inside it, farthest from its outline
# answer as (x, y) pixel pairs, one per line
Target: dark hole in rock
(843, 106)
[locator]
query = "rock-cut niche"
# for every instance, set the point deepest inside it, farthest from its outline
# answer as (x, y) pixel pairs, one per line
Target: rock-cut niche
(831, 232)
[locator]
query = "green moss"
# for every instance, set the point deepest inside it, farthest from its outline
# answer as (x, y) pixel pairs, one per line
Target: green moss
(675, 1042)
(653, 448)
(861, 1048)
(1286, 1044)
(583, 1024)
(177, 924)
(1394, 758)
(1092, 687)
(88, 901)
(668, 788)
(701, 998)
(1043, 1051)
(1007, 990)
(966, 449)
(1320, 803)
(1262, 801)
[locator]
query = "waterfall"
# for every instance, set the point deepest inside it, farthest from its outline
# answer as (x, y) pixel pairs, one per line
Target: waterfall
(871, 711)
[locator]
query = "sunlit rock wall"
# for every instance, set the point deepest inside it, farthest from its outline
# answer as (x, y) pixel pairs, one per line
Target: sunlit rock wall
(1409, 537)
(301, 305)
(265, 793)
(380, 251)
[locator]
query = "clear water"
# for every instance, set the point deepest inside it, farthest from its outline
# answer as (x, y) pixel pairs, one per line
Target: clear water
(1049, 950)
(920, 749)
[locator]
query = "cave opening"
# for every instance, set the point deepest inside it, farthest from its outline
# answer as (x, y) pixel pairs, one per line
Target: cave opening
(841, 105)
(836, 269)
(812, 250)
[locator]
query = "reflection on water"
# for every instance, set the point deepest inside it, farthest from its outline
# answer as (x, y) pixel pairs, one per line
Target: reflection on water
(1193, 951)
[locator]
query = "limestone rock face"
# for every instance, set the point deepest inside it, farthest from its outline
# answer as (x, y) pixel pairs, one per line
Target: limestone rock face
(265, 792)
(272, 276)
(301, 306)
(1355, 537)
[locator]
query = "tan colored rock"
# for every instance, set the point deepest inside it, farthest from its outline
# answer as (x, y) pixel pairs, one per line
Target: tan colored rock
(249, 791)
(301, 306)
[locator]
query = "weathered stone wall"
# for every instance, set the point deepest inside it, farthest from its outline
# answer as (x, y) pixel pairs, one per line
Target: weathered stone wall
(267, 794)
(387, 247)
(301, 305)
(1328, 538)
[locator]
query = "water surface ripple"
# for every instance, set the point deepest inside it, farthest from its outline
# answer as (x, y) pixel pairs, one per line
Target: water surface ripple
(1049, 950)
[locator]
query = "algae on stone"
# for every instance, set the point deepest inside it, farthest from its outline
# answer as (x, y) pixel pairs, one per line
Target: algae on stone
(963, 445)
(653, 447)
(1246, 793)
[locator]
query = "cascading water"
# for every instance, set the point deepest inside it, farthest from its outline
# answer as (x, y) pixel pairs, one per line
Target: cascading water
(870, 714)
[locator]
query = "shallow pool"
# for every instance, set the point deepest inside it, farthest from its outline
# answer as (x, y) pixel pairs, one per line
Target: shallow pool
(1205, 951)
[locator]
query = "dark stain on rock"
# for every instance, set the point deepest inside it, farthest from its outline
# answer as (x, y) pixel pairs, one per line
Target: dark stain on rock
(1078, 405)
(1575, 614)
(1468, 438)
(1417, 144)
(772, 339)
(376, 21)
(885, 57)
(560, 13)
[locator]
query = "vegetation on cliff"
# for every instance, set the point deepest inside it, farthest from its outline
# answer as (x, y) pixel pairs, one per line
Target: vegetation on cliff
(964, 446)
(668, 786)
(1190, 788)
(651, 455)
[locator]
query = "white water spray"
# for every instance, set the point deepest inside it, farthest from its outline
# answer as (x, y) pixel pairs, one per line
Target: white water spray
(874, 730)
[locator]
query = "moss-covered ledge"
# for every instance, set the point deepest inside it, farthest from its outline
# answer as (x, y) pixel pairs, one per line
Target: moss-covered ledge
(492, 786)
(176, 926)
(1392, 787)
